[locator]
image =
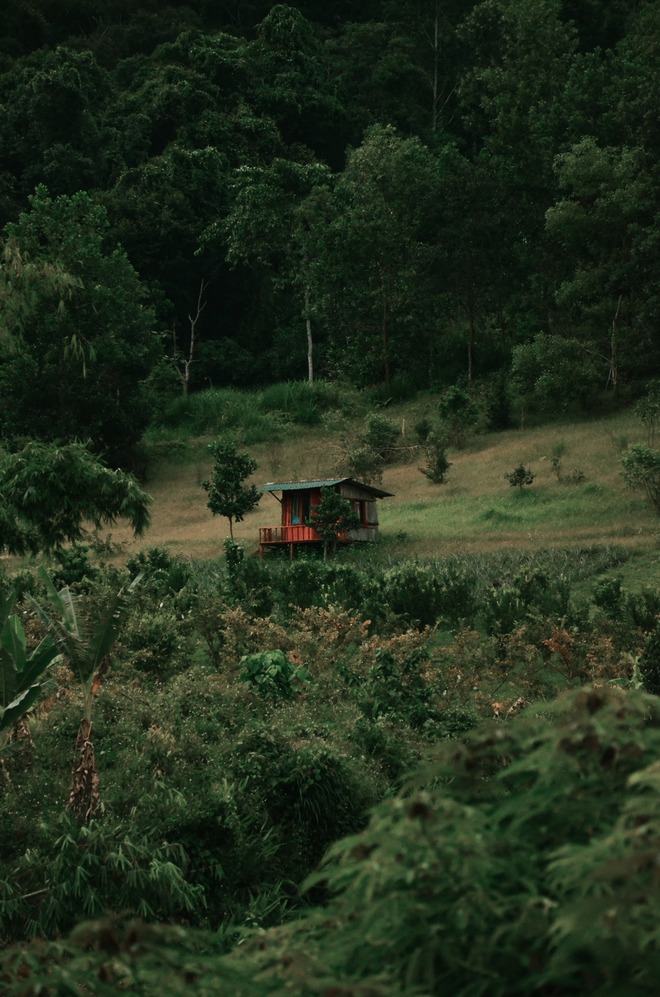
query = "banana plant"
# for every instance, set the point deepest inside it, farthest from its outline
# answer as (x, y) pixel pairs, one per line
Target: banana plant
(85, 643)
(20, 673)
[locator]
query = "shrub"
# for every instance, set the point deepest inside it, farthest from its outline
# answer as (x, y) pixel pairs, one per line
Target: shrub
(526, 595)
(398, 690)
(423, 594)
(272, 674)
(162, 573)
(519, 477)
(91, 869)
(497, 868)
(153, 642)
(381, 436)
(248, 582)
(364, 463)
(457, 415)
(437, 462)
(641, 470)
(649, 662)
(629, 613)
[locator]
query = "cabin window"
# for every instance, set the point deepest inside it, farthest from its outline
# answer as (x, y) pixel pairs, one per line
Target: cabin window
(299, 509)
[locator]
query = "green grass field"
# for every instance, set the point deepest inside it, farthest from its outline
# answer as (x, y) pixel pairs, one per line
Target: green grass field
(475, 510)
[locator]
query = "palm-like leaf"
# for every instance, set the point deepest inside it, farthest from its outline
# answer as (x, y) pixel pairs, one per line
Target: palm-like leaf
(85, 643)
(19, 673)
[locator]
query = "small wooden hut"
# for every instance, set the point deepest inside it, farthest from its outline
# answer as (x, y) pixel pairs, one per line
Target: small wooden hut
(298, 499)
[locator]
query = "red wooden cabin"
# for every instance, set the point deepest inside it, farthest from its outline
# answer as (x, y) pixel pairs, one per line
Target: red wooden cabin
(297, 501)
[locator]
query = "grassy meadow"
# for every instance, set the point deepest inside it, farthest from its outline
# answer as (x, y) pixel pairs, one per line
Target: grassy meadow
(475, 510)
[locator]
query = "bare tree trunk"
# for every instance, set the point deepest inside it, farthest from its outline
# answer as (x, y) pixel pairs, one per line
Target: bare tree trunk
(310, 343)
(436, 32)
(183, 365)
(386, 345)
(613, 375)
(472, 338)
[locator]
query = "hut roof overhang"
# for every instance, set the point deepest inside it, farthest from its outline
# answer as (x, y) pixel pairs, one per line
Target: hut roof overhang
(294, 486)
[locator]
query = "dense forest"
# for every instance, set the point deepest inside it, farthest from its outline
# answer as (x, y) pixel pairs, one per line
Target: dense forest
(413, 193)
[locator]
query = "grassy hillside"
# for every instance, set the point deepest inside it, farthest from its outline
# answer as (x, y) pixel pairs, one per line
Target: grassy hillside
(476, 510)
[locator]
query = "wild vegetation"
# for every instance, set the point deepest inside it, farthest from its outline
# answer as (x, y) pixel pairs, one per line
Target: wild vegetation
(259, 724)
(407, 242)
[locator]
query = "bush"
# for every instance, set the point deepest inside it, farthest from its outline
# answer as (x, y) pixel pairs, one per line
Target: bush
(649, 662)
(641, 470)
(381, 436)
(525, 596)
(423, 594)
(154, 643)
(519, 477)
(272, 674)
(457, 415)
(437, 462)
(497, 867)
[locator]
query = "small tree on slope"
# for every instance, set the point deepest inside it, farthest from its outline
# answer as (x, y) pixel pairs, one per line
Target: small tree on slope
(229, 496)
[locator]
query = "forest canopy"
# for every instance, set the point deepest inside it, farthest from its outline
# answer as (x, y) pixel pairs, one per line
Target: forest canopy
(404, 193)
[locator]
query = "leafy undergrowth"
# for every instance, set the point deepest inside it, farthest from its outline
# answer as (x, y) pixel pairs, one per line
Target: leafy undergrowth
(254, 719)
(521, 860)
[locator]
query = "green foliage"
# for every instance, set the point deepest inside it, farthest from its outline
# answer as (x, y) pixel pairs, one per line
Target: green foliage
(494, 869)
(649, 662)
(248, 582)
(641, 470)
(74, 567)
(301, 402)
(381, 436)
(229, 496)
(152, 641)
(161, 573)
(302, 584)
(333, 516)
(364, 464)
(225, 410)
(551, 373)
(628, 613)
(84, 635)
(76, 370)
(272, 674)
(648, 409)
(458, 415)
(21, 673)
(397, 691)
(49, 492)
(520, 476)
(89, 870)
(437, 462)
(423, 594)
(524, 596)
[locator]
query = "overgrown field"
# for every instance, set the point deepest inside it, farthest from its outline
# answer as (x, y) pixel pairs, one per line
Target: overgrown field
(425, 767)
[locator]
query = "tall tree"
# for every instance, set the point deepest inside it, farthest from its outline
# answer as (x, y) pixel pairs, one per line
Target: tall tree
(273, 224)
(604, 231)
(379, 253)
(83, 354)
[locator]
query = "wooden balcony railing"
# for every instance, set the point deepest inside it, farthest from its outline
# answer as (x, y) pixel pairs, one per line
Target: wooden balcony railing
(286, 534)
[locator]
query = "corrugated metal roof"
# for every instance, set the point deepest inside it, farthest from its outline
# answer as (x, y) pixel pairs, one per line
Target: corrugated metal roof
(293, 486)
